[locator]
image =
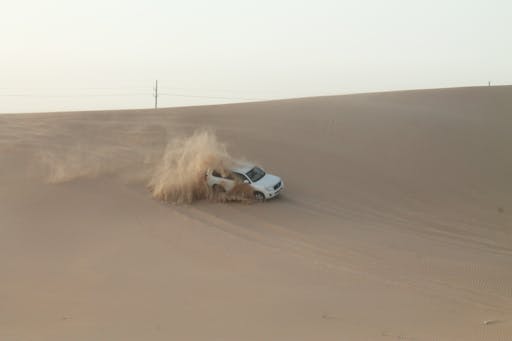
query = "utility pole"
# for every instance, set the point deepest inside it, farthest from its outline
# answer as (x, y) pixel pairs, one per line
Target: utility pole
(156, 94)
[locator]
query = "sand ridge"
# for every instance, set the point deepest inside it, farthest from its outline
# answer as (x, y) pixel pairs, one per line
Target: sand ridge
(396, 222)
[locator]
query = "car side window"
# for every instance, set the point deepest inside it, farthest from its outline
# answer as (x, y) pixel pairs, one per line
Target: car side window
(229, 176)
(240, 177)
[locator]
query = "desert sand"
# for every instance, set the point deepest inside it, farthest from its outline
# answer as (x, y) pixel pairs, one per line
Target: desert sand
(395, 223)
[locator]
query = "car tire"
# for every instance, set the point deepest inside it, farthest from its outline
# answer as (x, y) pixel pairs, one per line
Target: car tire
(259, 196)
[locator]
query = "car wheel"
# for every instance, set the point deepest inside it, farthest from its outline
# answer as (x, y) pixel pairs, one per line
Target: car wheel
(259, 196)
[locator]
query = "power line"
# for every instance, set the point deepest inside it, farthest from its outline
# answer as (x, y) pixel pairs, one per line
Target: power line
(212, 97)
(207, 89)
(71, 88)
(72, 95)
(155, 93)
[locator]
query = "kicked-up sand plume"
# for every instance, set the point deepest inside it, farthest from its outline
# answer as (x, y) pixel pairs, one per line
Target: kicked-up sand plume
(395, 223)
(174, 172)
(180, 174)
(71, 163)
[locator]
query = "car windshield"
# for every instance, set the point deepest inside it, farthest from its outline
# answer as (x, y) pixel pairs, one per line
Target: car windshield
(255, 174)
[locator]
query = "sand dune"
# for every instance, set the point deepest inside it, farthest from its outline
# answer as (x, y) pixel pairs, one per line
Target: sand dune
(396, 223)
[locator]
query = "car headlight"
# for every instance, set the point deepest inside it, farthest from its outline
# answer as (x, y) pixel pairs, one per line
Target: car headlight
(269, 188)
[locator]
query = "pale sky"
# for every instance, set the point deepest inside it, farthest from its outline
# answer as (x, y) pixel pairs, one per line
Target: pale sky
(106, 54)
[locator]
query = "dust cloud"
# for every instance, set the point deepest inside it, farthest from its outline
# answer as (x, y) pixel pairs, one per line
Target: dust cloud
(172, 166)
(180, 176)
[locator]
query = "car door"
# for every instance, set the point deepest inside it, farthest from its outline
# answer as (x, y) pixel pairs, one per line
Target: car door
(242, 178)
(227, 182)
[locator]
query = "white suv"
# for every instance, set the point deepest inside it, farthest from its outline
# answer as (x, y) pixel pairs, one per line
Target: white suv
(265, 185)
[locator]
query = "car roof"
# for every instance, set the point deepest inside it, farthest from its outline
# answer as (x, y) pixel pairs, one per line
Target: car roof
(242, 168)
